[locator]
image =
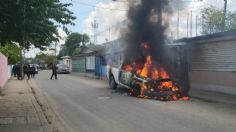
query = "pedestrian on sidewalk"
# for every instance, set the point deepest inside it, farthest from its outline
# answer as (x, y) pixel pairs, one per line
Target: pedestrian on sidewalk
(14, 70)
(54, 71)
(18, 72)
(33, 71)
(26, 70)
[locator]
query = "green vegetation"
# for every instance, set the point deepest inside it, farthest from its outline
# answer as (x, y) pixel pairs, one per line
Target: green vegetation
(33, 22)
(74, 44)
(12, 52)
(45, 58)
(213, 20)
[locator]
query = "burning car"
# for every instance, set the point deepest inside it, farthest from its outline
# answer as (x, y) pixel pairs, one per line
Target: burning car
(151, 69)
(146, 82)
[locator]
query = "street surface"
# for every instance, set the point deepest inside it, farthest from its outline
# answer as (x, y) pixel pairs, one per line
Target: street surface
(88, 105)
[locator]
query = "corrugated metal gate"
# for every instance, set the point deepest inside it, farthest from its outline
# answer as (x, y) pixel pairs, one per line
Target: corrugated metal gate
(79, 65)
(100, 67)
(90, 62)
(217, 56)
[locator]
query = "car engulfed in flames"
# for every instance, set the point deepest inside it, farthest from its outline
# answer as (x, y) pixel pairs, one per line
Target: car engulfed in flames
(150, 80)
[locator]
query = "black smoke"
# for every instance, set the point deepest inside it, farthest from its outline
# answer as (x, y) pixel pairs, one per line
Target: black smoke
(147, 23)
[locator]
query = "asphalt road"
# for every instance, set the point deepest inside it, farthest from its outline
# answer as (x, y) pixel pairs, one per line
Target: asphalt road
(87, 105)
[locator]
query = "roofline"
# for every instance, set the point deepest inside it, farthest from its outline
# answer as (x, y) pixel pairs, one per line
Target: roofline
(220, 36)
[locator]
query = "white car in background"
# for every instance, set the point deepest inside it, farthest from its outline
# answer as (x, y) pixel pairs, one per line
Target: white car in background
(36, 66)
(62, 68)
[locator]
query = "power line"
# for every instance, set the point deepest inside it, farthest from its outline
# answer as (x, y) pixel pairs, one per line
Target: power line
(90, 5)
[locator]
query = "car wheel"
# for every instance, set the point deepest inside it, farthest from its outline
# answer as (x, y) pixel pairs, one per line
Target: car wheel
(112, 83)
(135, 90)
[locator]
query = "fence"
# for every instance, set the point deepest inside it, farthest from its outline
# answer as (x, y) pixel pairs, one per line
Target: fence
(3, 70)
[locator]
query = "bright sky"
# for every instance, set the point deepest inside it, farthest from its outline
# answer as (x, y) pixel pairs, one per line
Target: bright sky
(109, 16)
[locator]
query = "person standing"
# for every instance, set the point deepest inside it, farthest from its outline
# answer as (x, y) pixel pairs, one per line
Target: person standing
(26, 70)
(18, 72)
(33, 71)
(54, 71)
(14, 70)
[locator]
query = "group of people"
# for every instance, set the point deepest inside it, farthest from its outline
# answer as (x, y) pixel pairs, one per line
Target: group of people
(28, 70)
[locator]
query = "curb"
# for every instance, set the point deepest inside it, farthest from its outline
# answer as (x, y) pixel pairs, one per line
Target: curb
(53, 119)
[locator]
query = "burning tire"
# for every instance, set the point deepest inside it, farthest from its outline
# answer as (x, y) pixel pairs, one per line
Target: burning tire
(112, 83)
(135, 91)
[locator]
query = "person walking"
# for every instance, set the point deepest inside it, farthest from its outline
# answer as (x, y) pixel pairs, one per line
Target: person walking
(54, 71)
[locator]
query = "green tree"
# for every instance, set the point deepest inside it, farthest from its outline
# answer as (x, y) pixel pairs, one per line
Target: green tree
(74, 44)
(33, 22)
(46, 58)
(213, 20)
(12, 52)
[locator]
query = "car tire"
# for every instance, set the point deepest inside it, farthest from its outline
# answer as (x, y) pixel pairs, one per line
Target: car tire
(135, 90)
(112, 83)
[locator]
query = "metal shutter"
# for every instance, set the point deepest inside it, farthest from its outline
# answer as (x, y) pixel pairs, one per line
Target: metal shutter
(90, 62)
(218, 56)
(78, 65)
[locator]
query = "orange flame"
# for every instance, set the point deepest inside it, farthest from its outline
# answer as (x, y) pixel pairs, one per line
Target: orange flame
(149, 71)
(146, 67)
(155, 74)
(127, 67)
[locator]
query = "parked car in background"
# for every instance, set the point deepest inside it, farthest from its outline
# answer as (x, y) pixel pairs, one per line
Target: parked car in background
(36, 66)
(62, 68)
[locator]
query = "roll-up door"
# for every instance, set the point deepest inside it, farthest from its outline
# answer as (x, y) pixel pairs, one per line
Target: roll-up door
(78, 65)
(90, 62)
(219, 56)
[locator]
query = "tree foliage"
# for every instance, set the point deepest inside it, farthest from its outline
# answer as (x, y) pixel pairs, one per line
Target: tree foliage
(33, 22)
(46, 58)
(74, 44)
(213, 20)
(12, 52)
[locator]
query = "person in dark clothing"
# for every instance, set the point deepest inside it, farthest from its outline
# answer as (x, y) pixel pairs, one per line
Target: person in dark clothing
(33, 71)
(18, 72)
(54, 72)
(14, 70)
(26, 71)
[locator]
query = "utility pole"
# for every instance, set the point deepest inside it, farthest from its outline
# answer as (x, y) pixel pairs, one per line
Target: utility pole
(225, 11)
(196, 24)
(202, 23)
(187, 23)
(94, 25)
(55, 53)
(109, 33)
(191, 27)
(178, 25)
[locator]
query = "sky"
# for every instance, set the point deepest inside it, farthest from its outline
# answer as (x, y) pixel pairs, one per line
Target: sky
(110, 16)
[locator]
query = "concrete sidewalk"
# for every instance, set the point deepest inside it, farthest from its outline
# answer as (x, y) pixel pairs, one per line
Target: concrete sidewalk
(19, 111)
(212, 96)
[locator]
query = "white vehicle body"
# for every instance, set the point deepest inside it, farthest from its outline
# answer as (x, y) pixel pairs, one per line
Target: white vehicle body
(113, 71)
(116, 78)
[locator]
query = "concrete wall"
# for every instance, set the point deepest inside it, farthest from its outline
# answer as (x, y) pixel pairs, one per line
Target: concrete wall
(214, 78)
(3, 70)
(213, 65)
